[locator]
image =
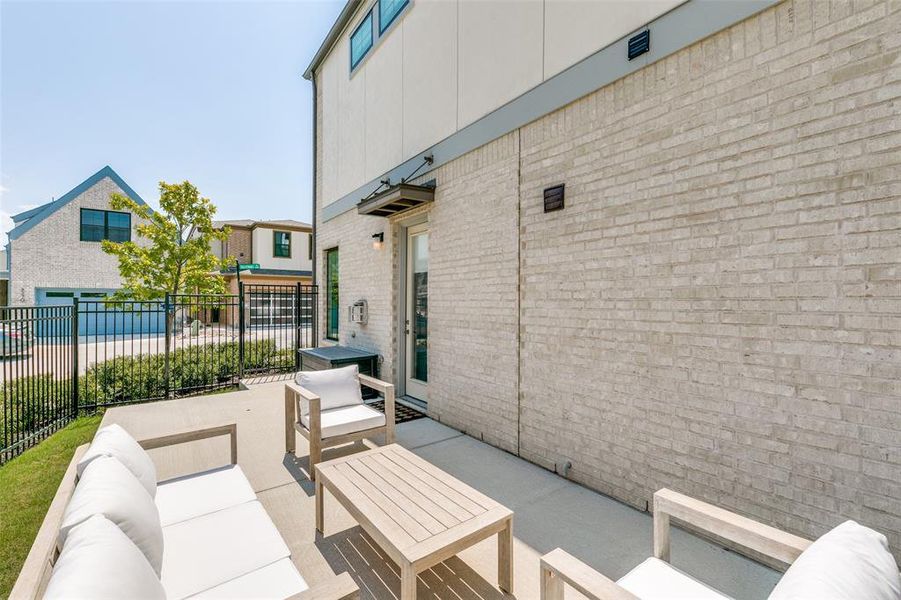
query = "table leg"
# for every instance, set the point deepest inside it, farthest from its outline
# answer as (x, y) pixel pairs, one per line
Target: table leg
(407, 582)
(505, 558)
(320, 526)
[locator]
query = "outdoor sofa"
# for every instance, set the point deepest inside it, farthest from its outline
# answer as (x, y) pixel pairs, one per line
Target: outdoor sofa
(112, 531)
(851, 562)
(326, 407)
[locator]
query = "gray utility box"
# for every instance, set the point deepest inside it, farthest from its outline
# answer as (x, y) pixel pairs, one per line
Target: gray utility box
(333, 357)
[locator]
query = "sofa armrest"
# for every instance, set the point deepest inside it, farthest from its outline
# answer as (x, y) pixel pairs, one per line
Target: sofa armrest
(559, 568)
(192, 435)
(387, 390)
(341, 587)
(769, 541)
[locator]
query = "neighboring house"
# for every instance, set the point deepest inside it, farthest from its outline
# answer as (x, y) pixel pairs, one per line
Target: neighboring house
(283, 249)
(54, 249)
(4, 279)
(654, 240)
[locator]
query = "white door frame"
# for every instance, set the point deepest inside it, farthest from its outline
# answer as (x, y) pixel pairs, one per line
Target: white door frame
(403, 233)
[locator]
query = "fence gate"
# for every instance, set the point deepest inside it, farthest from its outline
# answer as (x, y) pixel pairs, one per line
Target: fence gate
(58, 360)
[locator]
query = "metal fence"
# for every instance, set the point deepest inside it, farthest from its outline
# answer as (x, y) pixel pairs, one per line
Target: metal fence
(58, 361)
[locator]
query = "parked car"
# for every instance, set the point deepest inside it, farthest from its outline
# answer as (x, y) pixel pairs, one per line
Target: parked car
(15, 340)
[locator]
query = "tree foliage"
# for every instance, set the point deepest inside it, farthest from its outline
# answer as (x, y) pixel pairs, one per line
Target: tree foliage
(174, 255)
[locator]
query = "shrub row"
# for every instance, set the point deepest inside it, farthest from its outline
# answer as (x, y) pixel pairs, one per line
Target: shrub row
(30, 404)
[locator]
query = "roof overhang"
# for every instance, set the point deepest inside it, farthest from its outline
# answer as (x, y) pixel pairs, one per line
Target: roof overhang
(397, 198)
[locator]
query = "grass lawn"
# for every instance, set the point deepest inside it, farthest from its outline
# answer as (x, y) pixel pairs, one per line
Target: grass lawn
(27, 485)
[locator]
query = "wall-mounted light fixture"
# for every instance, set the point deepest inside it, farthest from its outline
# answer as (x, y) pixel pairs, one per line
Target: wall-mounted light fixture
(378, 239)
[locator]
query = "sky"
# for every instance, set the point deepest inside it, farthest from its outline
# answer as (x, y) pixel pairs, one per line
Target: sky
(211, 92)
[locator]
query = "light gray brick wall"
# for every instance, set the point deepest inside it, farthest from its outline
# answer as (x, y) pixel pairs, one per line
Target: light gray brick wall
(718, 307)
(51, 254)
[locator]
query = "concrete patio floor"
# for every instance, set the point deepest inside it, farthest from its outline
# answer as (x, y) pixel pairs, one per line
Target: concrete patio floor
(549, 510)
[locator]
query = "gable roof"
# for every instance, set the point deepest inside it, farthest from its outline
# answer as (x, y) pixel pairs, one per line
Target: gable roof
(251, 223)
(26, 220)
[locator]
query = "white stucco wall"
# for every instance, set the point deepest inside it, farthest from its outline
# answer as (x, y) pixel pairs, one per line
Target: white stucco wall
(263, 250)
(442, 65)
(51, 254)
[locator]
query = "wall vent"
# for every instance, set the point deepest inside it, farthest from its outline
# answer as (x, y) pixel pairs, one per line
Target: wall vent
(639, 44)
(553, 198)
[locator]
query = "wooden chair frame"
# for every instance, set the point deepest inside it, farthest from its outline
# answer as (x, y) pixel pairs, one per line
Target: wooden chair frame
(294, 394)
(35, 574)
(559, 568)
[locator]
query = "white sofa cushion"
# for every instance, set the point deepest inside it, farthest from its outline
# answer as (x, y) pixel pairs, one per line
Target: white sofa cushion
(347, 419)
(187, 497)
(655, 579)
(114, 441)
(276, 581)
(209, 550)
(848, 563)
(335, 387)
(101, 563)
(107, 488)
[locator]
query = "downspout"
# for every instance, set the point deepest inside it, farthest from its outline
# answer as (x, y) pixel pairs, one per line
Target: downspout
(315, 249)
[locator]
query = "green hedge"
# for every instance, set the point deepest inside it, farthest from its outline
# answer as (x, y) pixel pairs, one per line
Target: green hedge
(32, 403)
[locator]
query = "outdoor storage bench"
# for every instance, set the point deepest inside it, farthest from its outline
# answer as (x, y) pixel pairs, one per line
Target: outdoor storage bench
(112, 531)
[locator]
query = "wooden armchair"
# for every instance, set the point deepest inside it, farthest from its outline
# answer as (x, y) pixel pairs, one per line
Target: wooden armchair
(336, 426)
(559, 568)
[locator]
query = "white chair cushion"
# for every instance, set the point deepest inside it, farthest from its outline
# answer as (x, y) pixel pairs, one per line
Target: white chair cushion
(187, 497)
(208, 551)
(101, 563)
(335, 387)
(348, 419)
(655, 579)
(848, 563)
(107, 488)
(116, 442)
(276, 581)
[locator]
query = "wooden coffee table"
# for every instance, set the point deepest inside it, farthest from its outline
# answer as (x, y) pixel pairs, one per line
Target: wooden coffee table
(418, 514)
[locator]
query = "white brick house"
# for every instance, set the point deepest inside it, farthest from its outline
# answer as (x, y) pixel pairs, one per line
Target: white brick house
(54, 249)
(715, 308)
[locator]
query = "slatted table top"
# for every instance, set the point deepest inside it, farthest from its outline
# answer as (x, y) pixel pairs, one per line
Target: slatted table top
(413, 509)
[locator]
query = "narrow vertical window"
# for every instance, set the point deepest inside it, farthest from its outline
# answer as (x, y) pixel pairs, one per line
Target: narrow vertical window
(310, 246)
(388, 11)
(361, 41)
(331, 281)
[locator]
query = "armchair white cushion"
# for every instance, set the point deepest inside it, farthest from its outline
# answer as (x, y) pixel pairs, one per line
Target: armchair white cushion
(848, 563)
(655, 579)
(114, 441)
(335, 387)
(347, 419)
(107, 488)
(101, 563)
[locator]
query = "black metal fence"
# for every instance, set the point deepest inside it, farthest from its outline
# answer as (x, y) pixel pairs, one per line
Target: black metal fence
(58, 361)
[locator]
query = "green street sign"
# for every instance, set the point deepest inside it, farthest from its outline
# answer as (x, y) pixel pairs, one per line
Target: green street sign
(248, 266)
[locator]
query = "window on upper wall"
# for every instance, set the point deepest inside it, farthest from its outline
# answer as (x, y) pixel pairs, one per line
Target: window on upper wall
(98, 225)
(331, 297)
(361, 41)
(388, 11)
(281, 244)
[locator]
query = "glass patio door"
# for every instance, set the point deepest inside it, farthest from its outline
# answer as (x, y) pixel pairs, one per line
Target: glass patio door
(416, 325)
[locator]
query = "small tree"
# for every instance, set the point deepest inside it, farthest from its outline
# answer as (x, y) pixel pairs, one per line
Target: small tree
(178, 257)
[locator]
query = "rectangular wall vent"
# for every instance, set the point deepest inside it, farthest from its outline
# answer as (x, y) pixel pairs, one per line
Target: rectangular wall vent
(553, 198)
(639, 44)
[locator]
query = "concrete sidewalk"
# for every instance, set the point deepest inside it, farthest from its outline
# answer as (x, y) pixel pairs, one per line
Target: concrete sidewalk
(549, 510)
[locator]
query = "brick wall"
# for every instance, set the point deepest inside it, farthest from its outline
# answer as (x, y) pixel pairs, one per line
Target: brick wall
(239, 242)
(718, 307)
